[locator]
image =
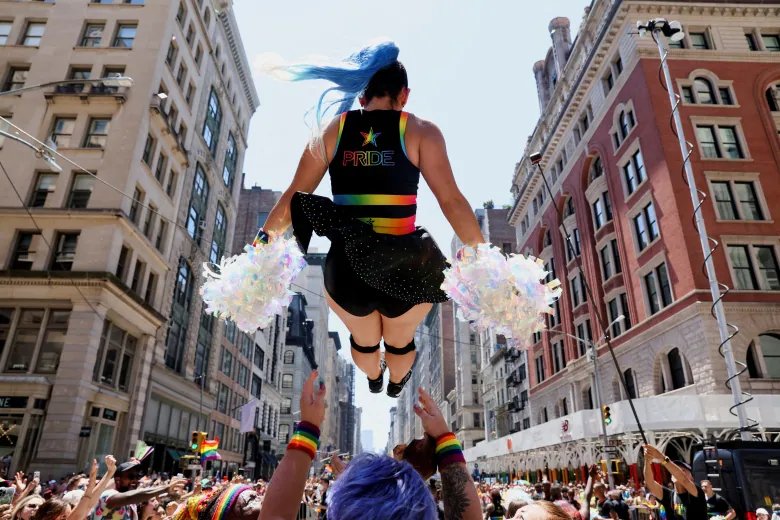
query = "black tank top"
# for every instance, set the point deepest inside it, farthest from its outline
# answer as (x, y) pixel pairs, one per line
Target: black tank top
(370, 174)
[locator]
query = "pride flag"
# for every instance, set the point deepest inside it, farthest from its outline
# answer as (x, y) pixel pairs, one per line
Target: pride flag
(208, 450)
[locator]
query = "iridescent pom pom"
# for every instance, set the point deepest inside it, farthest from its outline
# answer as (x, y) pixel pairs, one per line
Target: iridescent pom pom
(250, 289)
(505, 294)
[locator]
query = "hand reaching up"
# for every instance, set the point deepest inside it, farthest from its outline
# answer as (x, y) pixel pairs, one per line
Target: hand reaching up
(432, 419)
(313, 400)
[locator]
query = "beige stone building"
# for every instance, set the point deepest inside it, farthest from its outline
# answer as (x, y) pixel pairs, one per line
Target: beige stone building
(103, 339)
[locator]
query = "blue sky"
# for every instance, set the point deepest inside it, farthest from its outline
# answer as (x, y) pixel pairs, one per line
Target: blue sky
(470, 72)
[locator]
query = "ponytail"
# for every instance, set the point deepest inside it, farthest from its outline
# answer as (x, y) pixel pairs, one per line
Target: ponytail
(350, 76)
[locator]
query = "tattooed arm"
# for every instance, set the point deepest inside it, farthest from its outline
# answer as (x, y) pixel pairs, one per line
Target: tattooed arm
(459, 493)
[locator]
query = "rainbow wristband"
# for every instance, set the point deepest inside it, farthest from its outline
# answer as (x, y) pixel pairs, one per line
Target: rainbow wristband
(306, 438)
(448, 450)
(261, 238)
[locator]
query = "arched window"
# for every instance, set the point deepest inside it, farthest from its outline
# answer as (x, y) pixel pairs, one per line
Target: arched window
(754, 369)
(287, 381)
(289, 357)
(765, 354)
(568, 208)
(628, 376)
(547, 241)
(773, 97)
(678, 369)
(587, 399)
(626, 122)
(705, 94)
(596, 170)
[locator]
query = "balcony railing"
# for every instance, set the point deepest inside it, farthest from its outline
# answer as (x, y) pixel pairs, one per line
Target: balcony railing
(85, 91)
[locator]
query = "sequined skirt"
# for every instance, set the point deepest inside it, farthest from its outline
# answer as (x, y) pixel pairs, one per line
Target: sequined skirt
(407, 267)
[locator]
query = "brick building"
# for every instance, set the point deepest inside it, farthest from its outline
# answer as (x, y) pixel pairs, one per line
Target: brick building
(616, 174)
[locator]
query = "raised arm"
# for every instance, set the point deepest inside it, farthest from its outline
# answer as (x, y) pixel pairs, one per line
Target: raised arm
(436, 169)
(459, 494)
(593, 474)
(92, 494)
(651, 452)
(283, 495)
(311, 169)
(136, 496)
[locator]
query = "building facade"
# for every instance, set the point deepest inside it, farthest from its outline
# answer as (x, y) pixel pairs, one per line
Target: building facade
(105, 341)
(616, 174)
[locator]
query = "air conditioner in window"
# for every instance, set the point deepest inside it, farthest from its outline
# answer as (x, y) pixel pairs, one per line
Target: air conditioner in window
(65, 257)
(29, 256)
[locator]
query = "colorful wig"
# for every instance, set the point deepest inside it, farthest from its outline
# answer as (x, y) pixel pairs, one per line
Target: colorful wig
(350, 76)
(381, 488)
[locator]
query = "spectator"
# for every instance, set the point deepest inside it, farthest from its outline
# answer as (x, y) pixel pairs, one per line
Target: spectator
(615, 503)
(716, 504)
(372, 486)
(26, 507)
(687, 500)
(556, 496)
(514, 506)
(541, 510)
(600, 492)
(495, 510)
(762, 514)
(775, 511)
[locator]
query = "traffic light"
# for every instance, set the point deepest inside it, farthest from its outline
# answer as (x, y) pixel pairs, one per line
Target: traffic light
(197, 440)
(606, 415)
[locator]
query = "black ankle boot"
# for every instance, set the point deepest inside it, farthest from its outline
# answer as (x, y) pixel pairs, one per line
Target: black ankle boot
(374, 385)
(394, 389)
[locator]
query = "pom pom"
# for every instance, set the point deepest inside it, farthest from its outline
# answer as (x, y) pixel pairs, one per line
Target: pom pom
(506, 294)
(253, 287)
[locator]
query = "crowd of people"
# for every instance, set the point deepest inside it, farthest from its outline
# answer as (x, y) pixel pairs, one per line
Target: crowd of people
(370, 486)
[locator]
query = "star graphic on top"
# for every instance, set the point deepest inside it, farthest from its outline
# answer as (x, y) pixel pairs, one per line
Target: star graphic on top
(370, 137)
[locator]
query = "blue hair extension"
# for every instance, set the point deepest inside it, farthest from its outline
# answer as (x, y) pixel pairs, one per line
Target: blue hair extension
(381, 488)
(351, 76)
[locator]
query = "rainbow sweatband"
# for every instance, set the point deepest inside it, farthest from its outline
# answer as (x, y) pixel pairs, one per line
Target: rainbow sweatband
(448, 450)
(227, 500)
(306, 438)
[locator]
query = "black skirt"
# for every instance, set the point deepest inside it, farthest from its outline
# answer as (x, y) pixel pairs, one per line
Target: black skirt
(367, 271)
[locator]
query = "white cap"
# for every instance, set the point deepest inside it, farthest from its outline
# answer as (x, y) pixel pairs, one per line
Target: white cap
(762, 511)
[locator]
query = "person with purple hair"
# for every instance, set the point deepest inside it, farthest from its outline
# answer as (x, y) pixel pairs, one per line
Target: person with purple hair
(372, 486)
(382, 272)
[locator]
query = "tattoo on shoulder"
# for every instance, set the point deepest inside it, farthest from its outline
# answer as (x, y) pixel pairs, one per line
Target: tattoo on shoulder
(454, 480)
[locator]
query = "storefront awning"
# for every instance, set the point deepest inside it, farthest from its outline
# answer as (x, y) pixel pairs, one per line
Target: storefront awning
(175, 454)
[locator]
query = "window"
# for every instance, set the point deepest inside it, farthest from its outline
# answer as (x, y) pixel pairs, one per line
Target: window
(24, 253)
(630, 380)
(750, 39)
(190, 93)
(616, 307)
(136, 204)
(33, 34)
(97, 133)
(170, 187)
(121, 265)
(539, 369)
(138, 276)
(181, 14)
(151, 287)
(718, 142)
(222, 398)
(573, 245)
(44, 185)
(183, 288)
(148, 152)
(198, 202)
(646, 226)
(181, 74)
(212, 123)
(161, 232)
(585, 335)
(699, 40)
(677, 369)
(764, 357)
(198, 54)
(125, 35)
(736, 200)
(92, 35)
(602, 210)
(5, 30)
(151, 215)
(659, 291)
(33, 347)
(287, 381)
(575, 285)
(80, 190)
(559, 357)
(218, 237)
(626, 123)
(114, 363)
(257, 386)
(159, 171)
(284, 431)
(62, 131)
(771, 42)
(170, 56)
(190, 34)
(226, 364)
(289, 357)
(16, 78)
(231, 157)
(634, 172)
(755, 267)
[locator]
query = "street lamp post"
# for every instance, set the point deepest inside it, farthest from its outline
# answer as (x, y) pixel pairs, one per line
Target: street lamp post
(597, 386)
(661, 28)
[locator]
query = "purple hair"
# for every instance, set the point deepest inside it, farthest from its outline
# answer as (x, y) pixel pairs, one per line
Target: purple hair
(381, 488)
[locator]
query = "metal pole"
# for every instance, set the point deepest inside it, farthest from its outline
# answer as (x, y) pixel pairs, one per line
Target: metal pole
(596, 385)
(717, 307)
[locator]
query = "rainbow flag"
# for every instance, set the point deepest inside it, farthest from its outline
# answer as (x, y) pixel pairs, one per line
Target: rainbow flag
(208, 450)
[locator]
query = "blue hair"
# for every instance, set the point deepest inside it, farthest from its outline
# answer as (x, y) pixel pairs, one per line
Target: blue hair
(351, 76)
(381, 488)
